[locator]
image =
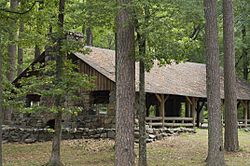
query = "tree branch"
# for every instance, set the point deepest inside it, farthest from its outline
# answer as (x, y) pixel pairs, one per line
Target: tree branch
(196, 31)
(24, 12)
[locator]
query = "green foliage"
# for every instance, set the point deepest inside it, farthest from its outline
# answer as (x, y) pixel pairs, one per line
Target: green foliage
(45, 84)
(99, 15)
(167, 37)
(152, 111)
(242, 20)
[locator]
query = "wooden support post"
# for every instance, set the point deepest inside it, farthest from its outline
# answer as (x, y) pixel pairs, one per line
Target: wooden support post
(245, 104)
(190, 110)
(198, 114)
(163, 110)
(246, 116)
(162, 99)
(189, 100)
(248, 112)
(189, 104)
(199, 111)
(238, 104)
(186, 108)
(194, 104)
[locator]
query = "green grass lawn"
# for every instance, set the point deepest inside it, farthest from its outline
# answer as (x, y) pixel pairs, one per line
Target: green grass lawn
(186, 149)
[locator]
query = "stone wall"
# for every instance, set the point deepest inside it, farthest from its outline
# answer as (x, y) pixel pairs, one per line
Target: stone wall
(85, 119)
(95, 121)
(154, 134)
(32, 135)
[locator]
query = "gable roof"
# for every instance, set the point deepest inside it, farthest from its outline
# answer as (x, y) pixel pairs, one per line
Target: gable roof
(185, 79)
(40, 59)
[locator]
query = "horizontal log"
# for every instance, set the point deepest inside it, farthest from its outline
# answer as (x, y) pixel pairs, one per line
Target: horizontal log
(171, 124)
(243, 125)
(243, 120)
(179, 118)
(178, 124)
(155, 124)
(153, 118)
(169, 118)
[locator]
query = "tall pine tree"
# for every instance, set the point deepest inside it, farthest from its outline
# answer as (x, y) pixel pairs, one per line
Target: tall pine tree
(125, 85)
(231, 121)
(215, 146)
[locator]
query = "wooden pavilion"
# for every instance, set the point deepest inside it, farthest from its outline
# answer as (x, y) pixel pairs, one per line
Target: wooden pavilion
(176, 92)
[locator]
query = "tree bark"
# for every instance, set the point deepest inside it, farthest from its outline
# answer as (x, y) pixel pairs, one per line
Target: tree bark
(231, 122)
(55, 159)
(89, 37)
(12, 46)
(142, 117)
(10, 76)
(141, 38)
(1, 103)
(244, 54)
(37, 51)
(125, 86)
(215, 146)
(142, 104)
(11, 63)
(89, 34)
(20, 50)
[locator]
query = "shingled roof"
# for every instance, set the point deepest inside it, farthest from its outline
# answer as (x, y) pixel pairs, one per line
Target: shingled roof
(185, 79)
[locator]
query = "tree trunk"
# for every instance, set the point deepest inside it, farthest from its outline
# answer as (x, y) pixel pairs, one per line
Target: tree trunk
(141, 38)
(12, 46)
(244, 54)
(83, 30)
(142, 103)
(37, 51)
(89, 34)
(89, 37)
(11, 63)
(231, 122)
(55, 159)
(125, 86)
(142, 117)
(215, 146)
(20, 50)
(1, 102)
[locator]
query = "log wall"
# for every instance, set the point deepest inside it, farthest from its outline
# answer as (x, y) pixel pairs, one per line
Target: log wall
(102, 83)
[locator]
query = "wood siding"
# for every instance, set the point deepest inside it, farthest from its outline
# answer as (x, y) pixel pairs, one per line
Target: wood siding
(102, 83)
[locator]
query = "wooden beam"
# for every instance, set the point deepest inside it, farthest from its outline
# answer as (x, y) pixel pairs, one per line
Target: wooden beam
(189, 100)
(162, 99)
(238, 103)
(189, 106)
(199, 110)
(194, 105)
(188, 110)
(163, 113)
(166, 98)
(245, 105)
(158, 97)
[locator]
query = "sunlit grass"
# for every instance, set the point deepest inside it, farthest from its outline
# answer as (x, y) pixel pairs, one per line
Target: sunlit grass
(186, 149)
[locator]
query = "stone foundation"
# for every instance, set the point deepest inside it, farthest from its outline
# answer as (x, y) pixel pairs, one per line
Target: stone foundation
(88, 118)
(32, 135)
(83, 120)
(154, 134)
